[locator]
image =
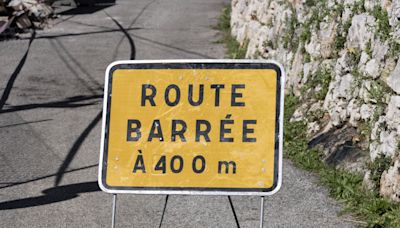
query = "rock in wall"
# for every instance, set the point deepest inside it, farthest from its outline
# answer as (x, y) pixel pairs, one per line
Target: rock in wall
(342, 60)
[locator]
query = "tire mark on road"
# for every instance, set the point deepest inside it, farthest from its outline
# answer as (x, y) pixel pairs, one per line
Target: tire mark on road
(173, 47)
(80, 34)
(64, 20)
(90, 25)
(75, 148)
(27, 122)
(79, 65)
(14, 75)
(131, 42)
(130, 25)
(70, 67)
(77, 144)
(79, 141)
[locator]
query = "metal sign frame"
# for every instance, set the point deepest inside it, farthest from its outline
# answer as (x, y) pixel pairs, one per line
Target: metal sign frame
(194, 64)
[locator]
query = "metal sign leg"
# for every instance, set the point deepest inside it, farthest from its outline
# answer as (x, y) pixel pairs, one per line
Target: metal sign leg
(114, 210)
(262, 212)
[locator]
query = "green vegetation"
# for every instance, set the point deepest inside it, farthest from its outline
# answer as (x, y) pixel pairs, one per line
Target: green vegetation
(368, 48)
(311, 3)
(380, 164)
(338, 10)
(354, 57)
(381, 15)
(365, 130)
(307, 57)
(316, 115)
(394, 50)
(358, 78)
(318, 13)
(305, 35)
(378, 91)
(235, 50)
(290, 40)
(341, 36)
(358, 7)
(322, 77)
(268, 43)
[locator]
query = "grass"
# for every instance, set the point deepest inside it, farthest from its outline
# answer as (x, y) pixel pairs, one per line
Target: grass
(383, 30)
(322, 77)
(394, 50)
(235, 50)
(290, 39)
(377, 167)
(368, 48)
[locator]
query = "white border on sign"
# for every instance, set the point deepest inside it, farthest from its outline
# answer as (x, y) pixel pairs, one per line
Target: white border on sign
(192, 192)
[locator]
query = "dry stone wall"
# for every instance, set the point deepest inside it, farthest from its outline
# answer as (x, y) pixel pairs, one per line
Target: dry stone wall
(342, 61)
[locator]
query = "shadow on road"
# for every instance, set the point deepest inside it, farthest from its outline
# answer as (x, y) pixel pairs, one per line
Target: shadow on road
(15, 74)
(70, 102)
(130, 25)
(82, 33)
(75, 148)
(88, 7)
(79, 141)
(134, 36)
(52, 195)
(11, 184)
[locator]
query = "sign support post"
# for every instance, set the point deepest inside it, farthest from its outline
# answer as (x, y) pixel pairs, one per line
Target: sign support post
(262, 212)
(114, 210)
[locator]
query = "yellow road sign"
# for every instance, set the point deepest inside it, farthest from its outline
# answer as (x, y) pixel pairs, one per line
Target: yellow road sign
(192, 127)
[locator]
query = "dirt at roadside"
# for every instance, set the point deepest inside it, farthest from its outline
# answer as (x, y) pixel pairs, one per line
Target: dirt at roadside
(17, 16)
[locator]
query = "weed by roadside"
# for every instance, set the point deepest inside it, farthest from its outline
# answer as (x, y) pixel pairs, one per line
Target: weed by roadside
(235, 50)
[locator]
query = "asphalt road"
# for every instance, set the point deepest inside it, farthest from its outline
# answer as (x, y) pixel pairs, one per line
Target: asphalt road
(51, 88)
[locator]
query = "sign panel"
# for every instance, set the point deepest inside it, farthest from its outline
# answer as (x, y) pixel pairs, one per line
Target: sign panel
(192, 127)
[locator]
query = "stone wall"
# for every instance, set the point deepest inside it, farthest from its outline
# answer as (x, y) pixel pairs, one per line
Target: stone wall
(341, 59)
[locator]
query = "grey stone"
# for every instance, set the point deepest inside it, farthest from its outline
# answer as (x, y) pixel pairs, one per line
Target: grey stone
(366, 111)
(390, 182)
(394, 79)
(372, 68)
(361, 31)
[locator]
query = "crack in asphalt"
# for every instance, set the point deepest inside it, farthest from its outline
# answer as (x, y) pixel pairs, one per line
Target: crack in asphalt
(26, 122)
